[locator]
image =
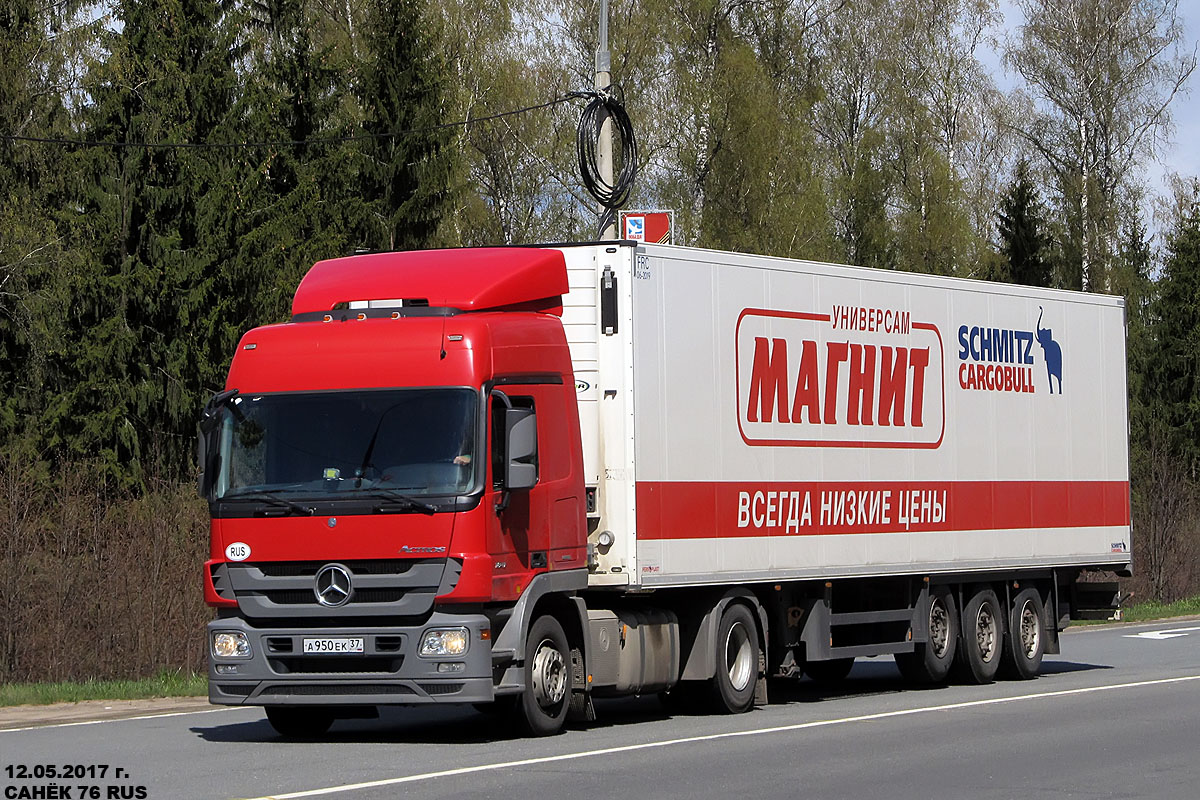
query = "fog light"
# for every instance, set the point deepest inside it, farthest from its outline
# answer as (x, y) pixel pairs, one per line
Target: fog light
(452, 666)
(226, 669)
(230, 644)
(444, 642)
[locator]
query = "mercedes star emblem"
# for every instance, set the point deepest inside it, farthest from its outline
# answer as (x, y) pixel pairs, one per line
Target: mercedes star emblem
(333, 587)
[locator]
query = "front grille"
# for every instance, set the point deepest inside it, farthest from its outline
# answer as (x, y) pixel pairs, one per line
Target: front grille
(393, 588)
(295, 597)
(311, 689)
(220, 581)
(335, 664)
(294, 569)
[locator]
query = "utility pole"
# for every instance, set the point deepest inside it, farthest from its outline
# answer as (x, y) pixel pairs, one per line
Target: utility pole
(604, 156)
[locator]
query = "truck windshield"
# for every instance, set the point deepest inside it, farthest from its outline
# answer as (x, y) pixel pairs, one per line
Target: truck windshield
(410, 441)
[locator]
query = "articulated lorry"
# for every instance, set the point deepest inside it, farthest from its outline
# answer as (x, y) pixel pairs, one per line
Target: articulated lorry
(527, 477)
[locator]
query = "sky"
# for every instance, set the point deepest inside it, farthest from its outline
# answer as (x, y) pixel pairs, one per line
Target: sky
(1182, 153)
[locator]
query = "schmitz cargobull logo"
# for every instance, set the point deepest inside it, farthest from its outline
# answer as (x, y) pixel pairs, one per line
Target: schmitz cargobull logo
(853, 377)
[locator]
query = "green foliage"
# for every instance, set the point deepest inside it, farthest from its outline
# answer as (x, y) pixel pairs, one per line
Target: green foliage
(408, 182)
(166, 684)
(137, 368)
(1023, 239)
(1175, 371)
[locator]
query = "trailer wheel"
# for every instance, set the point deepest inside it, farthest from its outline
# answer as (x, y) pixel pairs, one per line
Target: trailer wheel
(833, 670)
(930, 661)
(1025, 643)
(547, 697)
(982, 637)
(299, 722)
(737, 660)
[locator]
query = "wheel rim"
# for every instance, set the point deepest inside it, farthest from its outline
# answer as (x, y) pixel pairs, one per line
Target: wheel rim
(985, 632)
(549, 674)
(739, 656)
(1031, 630)
(939, 627)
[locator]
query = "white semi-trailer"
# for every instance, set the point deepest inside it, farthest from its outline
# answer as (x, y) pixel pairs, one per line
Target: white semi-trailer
(664, 470)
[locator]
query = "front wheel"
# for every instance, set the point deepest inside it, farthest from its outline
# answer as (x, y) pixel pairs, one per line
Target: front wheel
(737, 660)
(299, 722)
(547, 697)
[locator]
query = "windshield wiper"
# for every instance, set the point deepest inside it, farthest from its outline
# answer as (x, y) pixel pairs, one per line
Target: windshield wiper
(392, 497)
(275, 500)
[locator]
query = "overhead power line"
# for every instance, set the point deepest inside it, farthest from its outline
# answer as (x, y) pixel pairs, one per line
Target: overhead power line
(90, 143)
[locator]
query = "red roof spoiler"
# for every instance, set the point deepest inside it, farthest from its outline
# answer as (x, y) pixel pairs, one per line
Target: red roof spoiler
(469, 279)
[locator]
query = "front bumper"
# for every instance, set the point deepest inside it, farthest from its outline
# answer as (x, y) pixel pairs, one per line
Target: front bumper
(387, 672)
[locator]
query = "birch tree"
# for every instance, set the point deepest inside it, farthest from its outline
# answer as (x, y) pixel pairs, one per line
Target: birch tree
(1103, 74)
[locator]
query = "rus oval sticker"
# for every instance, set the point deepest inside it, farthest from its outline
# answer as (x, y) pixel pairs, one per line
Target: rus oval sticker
(238, 551)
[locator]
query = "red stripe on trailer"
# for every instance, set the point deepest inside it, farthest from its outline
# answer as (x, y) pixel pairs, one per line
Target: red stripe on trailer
(711, 510)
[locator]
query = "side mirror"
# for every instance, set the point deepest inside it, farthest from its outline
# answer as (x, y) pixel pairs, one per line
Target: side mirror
(206, 444)
(203, 482)
(520, 448)
(207, 458)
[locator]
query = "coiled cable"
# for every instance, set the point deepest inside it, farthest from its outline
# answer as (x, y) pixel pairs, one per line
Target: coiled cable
(603, 104)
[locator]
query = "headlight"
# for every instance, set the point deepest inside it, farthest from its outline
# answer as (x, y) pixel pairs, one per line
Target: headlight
(230, 644)
(444, 642)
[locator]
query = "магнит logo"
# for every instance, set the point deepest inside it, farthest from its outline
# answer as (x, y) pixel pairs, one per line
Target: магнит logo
(854, 377)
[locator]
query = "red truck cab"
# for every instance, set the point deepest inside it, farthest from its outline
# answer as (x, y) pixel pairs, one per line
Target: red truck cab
(389, 473)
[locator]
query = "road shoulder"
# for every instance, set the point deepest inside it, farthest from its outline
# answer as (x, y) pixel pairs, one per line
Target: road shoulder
(32, 716)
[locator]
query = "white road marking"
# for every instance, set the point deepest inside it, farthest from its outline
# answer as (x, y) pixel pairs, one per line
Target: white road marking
(351, 787)
(1169, 633)
(123, 719)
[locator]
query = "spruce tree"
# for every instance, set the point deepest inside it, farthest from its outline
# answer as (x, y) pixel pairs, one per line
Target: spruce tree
(409, 173)
(287, 203)
(1175, 374)
(1023, 240)
(40, 238)
(140, 361)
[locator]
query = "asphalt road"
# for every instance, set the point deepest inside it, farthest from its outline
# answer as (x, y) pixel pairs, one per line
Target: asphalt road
(1117, 715)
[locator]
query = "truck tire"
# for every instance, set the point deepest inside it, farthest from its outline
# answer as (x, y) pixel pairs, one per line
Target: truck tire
(299, 722)
(982, 637)
(833, 670)
(737, 660)
(547, 697)
(1025, 642)
(930, 661)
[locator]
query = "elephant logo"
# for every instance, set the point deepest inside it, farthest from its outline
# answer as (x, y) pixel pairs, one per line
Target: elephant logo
(1052, 352)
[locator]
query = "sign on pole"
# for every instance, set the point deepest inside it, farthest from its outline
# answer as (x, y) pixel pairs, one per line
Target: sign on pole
(655, 227)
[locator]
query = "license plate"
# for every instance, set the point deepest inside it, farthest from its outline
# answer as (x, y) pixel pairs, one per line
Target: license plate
(334, 644)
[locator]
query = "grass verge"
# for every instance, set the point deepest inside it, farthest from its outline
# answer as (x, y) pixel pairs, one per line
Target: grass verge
(1142, 612)
(165, 684)
(1148, 612)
